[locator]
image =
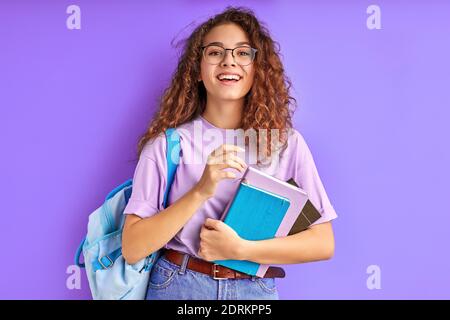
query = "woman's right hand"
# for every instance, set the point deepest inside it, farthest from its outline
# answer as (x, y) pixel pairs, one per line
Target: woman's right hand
(221, 158)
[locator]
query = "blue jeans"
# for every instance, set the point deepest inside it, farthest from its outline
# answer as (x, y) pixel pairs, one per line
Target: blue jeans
(169, 281)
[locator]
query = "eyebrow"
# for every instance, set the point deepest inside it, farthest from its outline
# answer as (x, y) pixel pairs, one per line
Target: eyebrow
(221, 44)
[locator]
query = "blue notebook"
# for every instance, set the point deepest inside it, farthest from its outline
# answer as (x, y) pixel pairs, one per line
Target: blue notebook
(255, 214)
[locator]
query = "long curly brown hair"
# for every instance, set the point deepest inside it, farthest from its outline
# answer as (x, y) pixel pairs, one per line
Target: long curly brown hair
(267, 104)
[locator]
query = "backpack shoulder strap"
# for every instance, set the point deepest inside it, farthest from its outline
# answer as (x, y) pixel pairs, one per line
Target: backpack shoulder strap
(172, 157)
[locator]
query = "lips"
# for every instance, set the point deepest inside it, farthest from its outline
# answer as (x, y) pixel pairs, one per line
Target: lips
(228, 78)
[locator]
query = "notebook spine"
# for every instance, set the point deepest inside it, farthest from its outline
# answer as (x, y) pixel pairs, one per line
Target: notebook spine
(230, 202)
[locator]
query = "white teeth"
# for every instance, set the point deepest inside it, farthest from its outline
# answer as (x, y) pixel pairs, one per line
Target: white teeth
(228, 77)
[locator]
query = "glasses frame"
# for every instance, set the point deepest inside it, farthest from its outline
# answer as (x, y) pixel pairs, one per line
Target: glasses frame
(232, 53)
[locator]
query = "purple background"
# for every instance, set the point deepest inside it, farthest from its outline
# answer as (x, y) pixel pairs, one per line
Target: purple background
(373, 107)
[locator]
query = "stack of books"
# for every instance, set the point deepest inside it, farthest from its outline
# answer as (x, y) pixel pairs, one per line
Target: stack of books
(264, 207)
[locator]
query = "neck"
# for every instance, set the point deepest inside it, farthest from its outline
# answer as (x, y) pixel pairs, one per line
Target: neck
(224, 114)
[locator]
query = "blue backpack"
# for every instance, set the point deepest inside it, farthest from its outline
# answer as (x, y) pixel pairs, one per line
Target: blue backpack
(109, 275)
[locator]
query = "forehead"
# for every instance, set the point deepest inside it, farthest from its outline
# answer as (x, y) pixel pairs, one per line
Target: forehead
(228, 35)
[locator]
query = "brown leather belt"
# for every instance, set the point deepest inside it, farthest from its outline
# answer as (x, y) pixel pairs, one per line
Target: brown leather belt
(214, 270)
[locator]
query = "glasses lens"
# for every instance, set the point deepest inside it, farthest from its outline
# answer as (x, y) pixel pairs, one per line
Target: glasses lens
(243, 55)
(214, 54)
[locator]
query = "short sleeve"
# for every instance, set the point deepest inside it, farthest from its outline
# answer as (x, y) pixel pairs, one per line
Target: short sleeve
(307, 177)
(149, 182)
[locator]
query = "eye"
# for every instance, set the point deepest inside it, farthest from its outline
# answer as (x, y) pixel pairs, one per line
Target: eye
(243, 52)
(214, 53)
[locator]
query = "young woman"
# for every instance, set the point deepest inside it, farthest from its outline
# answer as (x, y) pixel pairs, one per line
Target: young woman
(229, 79)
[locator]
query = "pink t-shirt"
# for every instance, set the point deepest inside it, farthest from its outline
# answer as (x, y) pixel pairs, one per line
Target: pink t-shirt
(197, 139)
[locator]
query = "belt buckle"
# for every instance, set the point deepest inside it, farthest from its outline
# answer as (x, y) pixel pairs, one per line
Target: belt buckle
(215, 271)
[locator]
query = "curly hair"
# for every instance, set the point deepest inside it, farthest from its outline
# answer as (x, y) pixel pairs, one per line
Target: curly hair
(267, 104)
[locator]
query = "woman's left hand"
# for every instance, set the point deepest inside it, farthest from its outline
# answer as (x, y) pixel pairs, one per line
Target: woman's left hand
(218, 241)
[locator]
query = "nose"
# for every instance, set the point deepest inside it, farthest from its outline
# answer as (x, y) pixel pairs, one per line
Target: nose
(228, 59)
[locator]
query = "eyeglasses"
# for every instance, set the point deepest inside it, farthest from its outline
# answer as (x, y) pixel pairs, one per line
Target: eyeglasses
(214, 54)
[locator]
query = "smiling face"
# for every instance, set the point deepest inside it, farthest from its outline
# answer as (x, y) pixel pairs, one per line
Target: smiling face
(215, 77)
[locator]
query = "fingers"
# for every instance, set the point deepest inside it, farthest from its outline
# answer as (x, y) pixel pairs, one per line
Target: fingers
(227, 175)
(202, 232)
(211, 223)
(225, 156)
(231, 162)
(221, 159)
(233, 158)
(226, 148)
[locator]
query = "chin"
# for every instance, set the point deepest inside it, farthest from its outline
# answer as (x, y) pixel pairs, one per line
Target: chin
(229, 97)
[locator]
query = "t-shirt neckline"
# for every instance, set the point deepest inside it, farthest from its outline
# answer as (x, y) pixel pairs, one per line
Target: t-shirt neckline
(210, 125)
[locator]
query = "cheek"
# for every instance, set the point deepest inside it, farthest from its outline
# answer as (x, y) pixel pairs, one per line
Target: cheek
(206, 71)
(250, 78)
